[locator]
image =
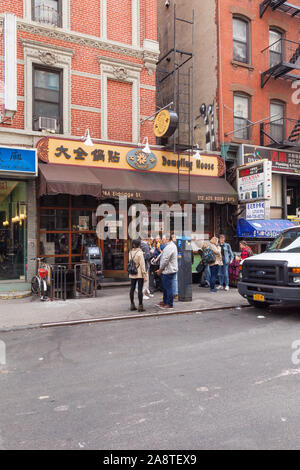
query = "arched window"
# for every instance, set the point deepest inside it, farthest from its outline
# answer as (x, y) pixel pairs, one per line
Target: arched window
(241, 106)
(277, 113)
(276, 46)
(241, 40)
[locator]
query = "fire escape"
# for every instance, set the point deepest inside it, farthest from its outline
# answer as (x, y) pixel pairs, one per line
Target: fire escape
(175, 85)
(282, 61)
(279, 5)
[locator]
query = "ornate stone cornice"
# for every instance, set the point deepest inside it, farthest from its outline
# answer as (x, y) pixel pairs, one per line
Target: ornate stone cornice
(81, 39)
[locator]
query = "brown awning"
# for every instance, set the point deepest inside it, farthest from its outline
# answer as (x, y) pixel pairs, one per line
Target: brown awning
(68, 179)
(158, 187)
(136, 185)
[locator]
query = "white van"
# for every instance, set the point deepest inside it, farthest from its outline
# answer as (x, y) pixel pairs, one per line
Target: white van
(273, 277)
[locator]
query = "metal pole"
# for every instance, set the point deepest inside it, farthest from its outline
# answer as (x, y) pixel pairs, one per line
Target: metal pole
(284, 197)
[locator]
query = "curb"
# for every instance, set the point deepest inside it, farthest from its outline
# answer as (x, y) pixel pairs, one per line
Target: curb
(14, 295)
(119, 318)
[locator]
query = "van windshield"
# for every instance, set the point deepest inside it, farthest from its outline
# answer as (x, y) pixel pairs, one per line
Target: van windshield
(288, 242)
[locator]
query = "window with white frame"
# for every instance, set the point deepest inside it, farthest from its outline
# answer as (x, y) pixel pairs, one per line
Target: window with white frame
(277, 111)
(45, 66)
(275, 42)
(241, 40)
(47, 99)
(241, 116)
(47, 11)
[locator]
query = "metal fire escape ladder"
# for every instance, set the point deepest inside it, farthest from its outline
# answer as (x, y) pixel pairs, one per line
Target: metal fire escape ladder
(175, 82)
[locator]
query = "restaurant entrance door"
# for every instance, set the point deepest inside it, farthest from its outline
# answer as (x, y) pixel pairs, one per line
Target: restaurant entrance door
(13, 229)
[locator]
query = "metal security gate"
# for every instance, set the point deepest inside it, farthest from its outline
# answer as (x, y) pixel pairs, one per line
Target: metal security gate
(58, 285)
(85, 280)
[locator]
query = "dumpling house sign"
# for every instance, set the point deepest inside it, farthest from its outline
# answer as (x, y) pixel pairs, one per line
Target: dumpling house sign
(104, 155)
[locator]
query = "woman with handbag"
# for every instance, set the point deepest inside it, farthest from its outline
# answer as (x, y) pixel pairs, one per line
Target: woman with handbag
(215, 264)
(137, 274)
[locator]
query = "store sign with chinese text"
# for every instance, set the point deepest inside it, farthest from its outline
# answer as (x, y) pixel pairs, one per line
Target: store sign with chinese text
(283, 161)
(255, 211)
(255, 181)
(18, 161)
(72, 152)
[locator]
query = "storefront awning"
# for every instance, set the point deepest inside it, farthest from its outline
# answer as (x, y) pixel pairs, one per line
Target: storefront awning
(136, 185)
(157, 187)
(262, 228)
(63, 179)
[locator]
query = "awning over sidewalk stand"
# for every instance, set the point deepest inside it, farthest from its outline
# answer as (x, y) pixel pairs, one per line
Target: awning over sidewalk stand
(262, 228)
(63, 179)
(136, 185)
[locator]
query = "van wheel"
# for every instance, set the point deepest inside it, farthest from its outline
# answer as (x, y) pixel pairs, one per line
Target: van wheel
(256, 304)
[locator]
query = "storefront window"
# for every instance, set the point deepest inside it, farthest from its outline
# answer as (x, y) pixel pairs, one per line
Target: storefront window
(62, 200)
(54, 219)
(13, 229)
(83, 220)
(113, 254)
(54, 244)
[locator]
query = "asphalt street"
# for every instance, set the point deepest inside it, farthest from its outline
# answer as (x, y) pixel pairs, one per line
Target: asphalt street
(213, 380)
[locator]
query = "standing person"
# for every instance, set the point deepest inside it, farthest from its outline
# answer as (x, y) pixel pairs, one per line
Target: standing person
(167, 270)
(227, 258)
(246, 251)
(214, 265)
(147, 257)
(175, 280)
(136, 255)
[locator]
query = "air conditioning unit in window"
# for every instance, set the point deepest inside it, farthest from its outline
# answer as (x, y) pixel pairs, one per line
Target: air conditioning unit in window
(46, 124)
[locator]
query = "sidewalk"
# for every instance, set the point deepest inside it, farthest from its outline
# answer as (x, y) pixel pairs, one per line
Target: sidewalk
(111, 303)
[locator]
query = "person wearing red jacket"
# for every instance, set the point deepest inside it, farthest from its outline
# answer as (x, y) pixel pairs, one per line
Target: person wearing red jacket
(245, 250)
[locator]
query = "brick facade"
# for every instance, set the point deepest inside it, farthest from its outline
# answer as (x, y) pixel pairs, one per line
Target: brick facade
(107, 51)
(88, 32)
(235, 76)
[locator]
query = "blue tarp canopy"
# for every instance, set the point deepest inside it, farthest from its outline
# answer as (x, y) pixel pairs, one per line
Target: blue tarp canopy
(262, 228)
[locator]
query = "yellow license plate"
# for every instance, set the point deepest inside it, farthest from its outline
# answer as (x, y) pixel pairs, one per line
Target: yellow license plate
(259, 297)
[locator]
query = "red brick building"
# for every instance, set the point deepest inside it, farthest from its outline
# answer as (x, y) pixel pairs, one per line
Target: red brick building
(79, 65)
(247, 65)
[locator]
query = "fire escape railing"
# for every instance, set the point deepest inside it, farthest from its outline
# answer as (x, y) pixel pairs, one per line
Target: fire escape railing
(281, 58)
(282, 133)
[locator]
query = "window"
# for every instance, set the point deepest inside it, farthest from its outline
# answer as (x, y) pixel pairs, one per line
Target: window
(275, 43)
(47, 99)
(241, 49)
(241, 116)
(277, 120)
(47, 11)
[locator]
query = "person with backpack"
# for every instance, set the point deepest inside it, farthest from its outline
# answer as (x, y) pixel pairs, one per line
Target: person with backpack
(215, 261)
(227, 258)
(246, 251)
(137, 273)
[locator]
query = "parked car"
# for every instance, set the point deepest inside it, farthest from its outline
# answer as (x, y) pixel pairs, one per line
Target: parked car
(273, 277)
